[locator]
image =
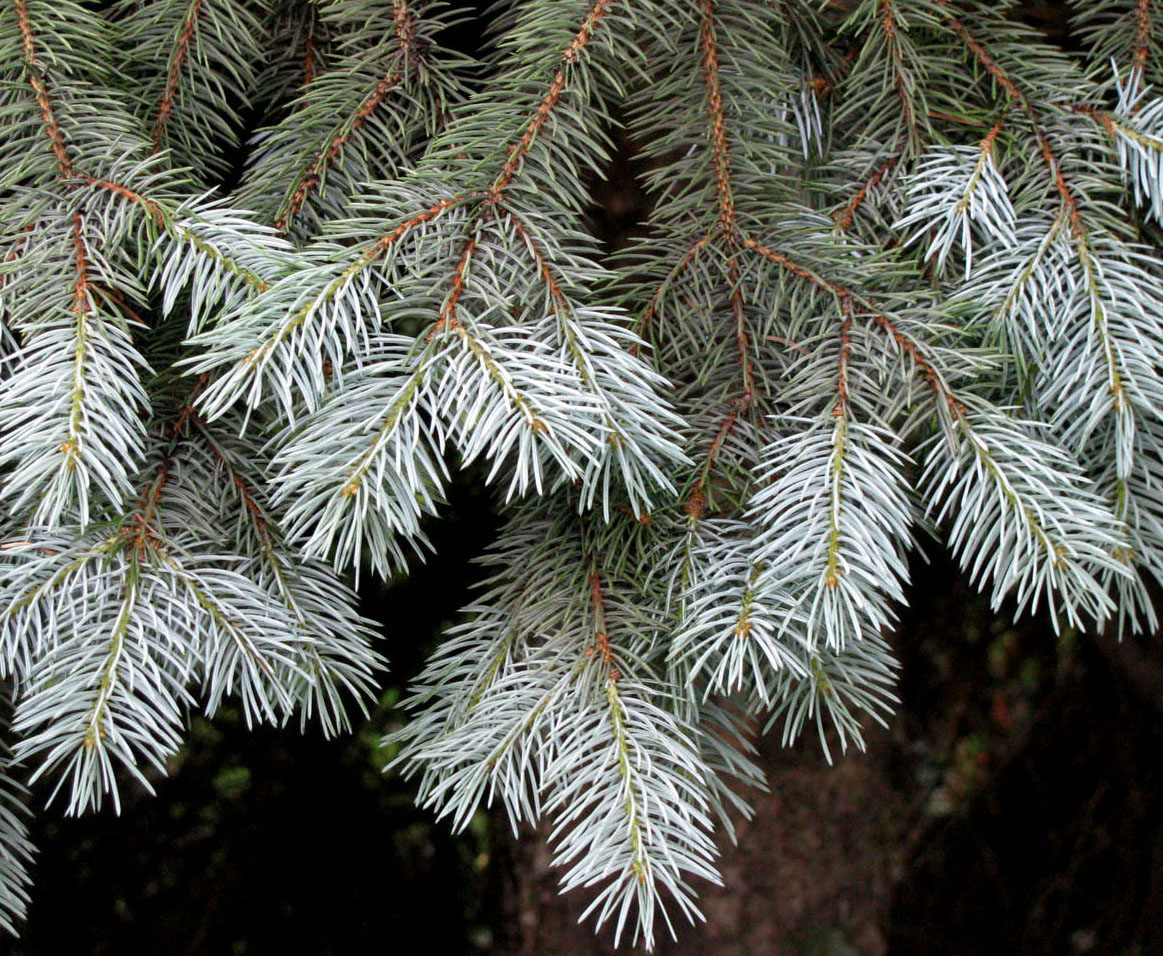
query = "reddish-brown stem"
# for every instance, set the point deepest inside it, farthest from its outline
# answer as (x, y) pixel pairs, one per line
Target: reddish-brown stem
(990, 138)
(1142, 41)
(552, 286)
(13, 545)
(143, 536)
(188, 412)
(448, 314)
(127, 194)
(1104, 119)
(889, 25)
(697, 500)
(742, 338)
(720, 155)
(36, 79)
(1014, 92)
(81, 261)
(840, 409)
(728, 229)
(308, 60)
(721, 160)
(325, 159)
(601, 646)
(385, 242)
(309, 46)
(252, 506)
(652, 308)
(552, 97)
(848, 299)
(165, 107)
(992, 67)
(115, 299)
(845, 216)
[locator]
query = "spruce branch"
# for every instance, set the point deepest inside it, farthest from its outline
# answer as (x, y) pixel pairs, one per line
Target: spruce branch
(867, 295)
(193, 70)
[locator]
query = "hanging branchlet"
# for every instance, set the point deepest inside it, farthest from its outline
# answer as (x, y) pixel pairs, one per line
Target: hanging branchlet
(192, 65)
(364, 113)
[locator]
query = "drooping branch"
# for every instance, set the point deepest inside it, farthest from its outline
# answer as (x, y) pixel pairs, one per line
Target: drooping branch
(847, 298)
(1078, 229)
(728, 231)
(37, 79)
(178, 58)
(518, 150)
(552, 97)
(405, 29)
(1018, 96)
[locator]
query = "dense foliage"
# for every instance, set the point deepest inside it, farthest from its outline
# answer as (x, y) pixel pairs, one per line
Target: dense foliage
(271, 269)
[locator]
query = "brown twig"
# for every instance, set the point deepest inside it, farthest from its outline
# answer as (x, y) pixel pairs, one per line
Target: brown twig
(552, 97)
(36, 79)
(173, 79)
(127, 194)
(601, 647)
(404, 22)
(448, 313)
(1142, 40)
(848, 213)
(889, 25)
(651, 310)
(846, 298)
(840, 409)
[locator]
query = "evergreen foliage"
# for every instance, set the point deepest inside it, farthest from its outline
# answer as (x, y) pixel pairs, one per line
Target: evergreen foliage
(271, 269)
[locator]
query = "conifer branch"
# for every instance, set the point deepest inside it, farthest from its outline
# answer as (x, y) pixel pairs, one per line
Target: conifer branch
(178, 57)
(845, 215)
(569, 57)
(903, 82)
(37, 81)
(720, 158)
(710, 451)
(913, 352)
(404, 26)
(1141, 45)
